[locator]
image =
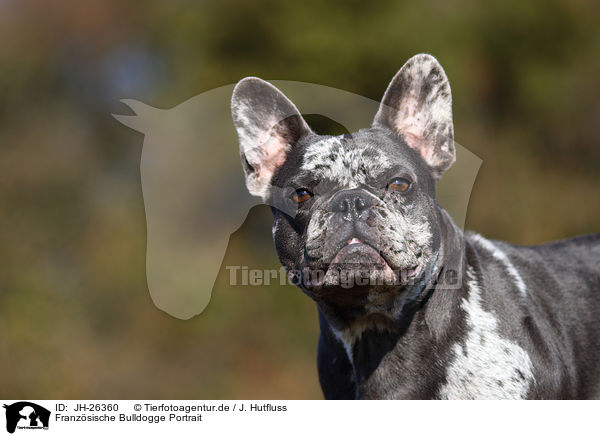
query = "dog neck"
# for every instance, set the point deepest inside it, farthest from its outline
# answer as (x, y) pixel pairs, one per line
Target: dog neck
(384, 351)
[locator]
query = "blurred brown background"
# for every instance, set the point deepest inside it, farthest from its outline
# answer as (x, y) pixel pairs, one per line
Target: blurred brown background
(76, 320)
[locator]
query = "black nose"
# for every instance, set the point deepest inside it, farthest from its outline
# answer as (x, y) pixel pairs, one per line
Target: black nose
(351, 203)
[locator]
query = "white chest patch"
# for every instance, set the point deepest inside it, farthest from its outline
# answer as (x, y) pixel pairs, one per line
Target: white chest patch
(486, 366)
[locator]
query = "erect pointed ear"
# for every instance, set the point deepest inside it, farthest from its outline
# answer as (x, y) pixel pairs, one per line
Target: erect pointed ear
(418, 106)
(268, 126)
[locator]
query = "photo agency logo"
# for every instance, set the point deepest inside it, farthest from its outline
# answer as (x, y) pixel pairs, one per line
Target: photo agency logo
(195, 192)
(24, 415)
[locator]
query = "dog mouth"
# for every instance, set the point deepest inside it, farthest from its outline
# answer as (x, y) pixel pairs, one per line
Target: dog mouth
(357, 253)
(357, 264)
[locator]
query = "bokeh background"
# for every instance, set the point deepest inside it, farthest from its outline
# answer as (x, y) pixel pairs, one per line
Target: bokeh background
(76, 319)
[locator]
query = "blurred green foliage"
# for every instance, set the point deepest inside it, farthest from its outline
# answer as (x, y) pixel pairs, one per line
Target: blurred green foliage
(76, 320)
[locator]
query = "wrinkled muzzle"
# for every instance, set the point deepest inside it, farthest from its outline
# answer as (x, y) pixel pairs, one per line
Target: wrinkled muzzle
(359, 241)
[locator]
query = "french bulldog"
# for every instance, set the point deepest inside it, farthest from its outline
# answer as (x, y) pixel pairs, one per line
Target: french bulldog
(410, 306)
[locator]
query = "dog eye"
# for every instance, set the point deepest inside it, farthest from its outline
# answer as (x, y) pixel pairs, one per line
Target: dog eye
(301, 195)
(399, 184)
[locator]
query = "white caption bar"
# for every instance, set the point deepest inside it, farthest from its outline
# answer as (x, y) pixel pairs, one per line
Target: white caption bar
(295, 417)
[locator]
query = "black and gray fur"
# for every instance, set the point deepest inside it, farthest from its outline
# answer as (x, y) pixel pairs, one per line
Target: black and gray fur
(439, 313)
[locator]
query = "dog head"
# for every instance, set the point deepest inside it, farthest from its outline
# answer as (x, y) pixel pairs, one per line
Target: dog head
(355, 216)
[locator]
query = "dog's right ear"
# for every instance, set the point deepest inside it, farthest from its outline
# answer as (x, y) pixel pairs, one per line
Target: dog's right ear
(268, 126)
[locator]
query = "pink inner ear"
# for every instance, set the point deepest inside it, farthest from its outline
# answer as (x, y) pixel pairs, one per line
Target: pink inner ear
(418, 144)
(274, 151)
(266, 158)
(412, 122)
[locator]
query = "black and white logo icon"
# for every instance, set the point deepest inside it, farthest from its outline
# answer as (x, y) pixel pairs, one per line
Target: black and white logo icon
(26, 415)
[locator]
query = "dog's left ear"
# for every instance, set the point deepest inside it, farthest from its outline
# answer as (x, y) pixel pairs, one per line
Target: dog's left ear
(418, 106)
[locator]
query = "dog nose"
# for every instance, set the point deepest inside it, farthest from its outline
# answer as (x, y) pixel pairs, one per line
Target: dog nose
(351, 203)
